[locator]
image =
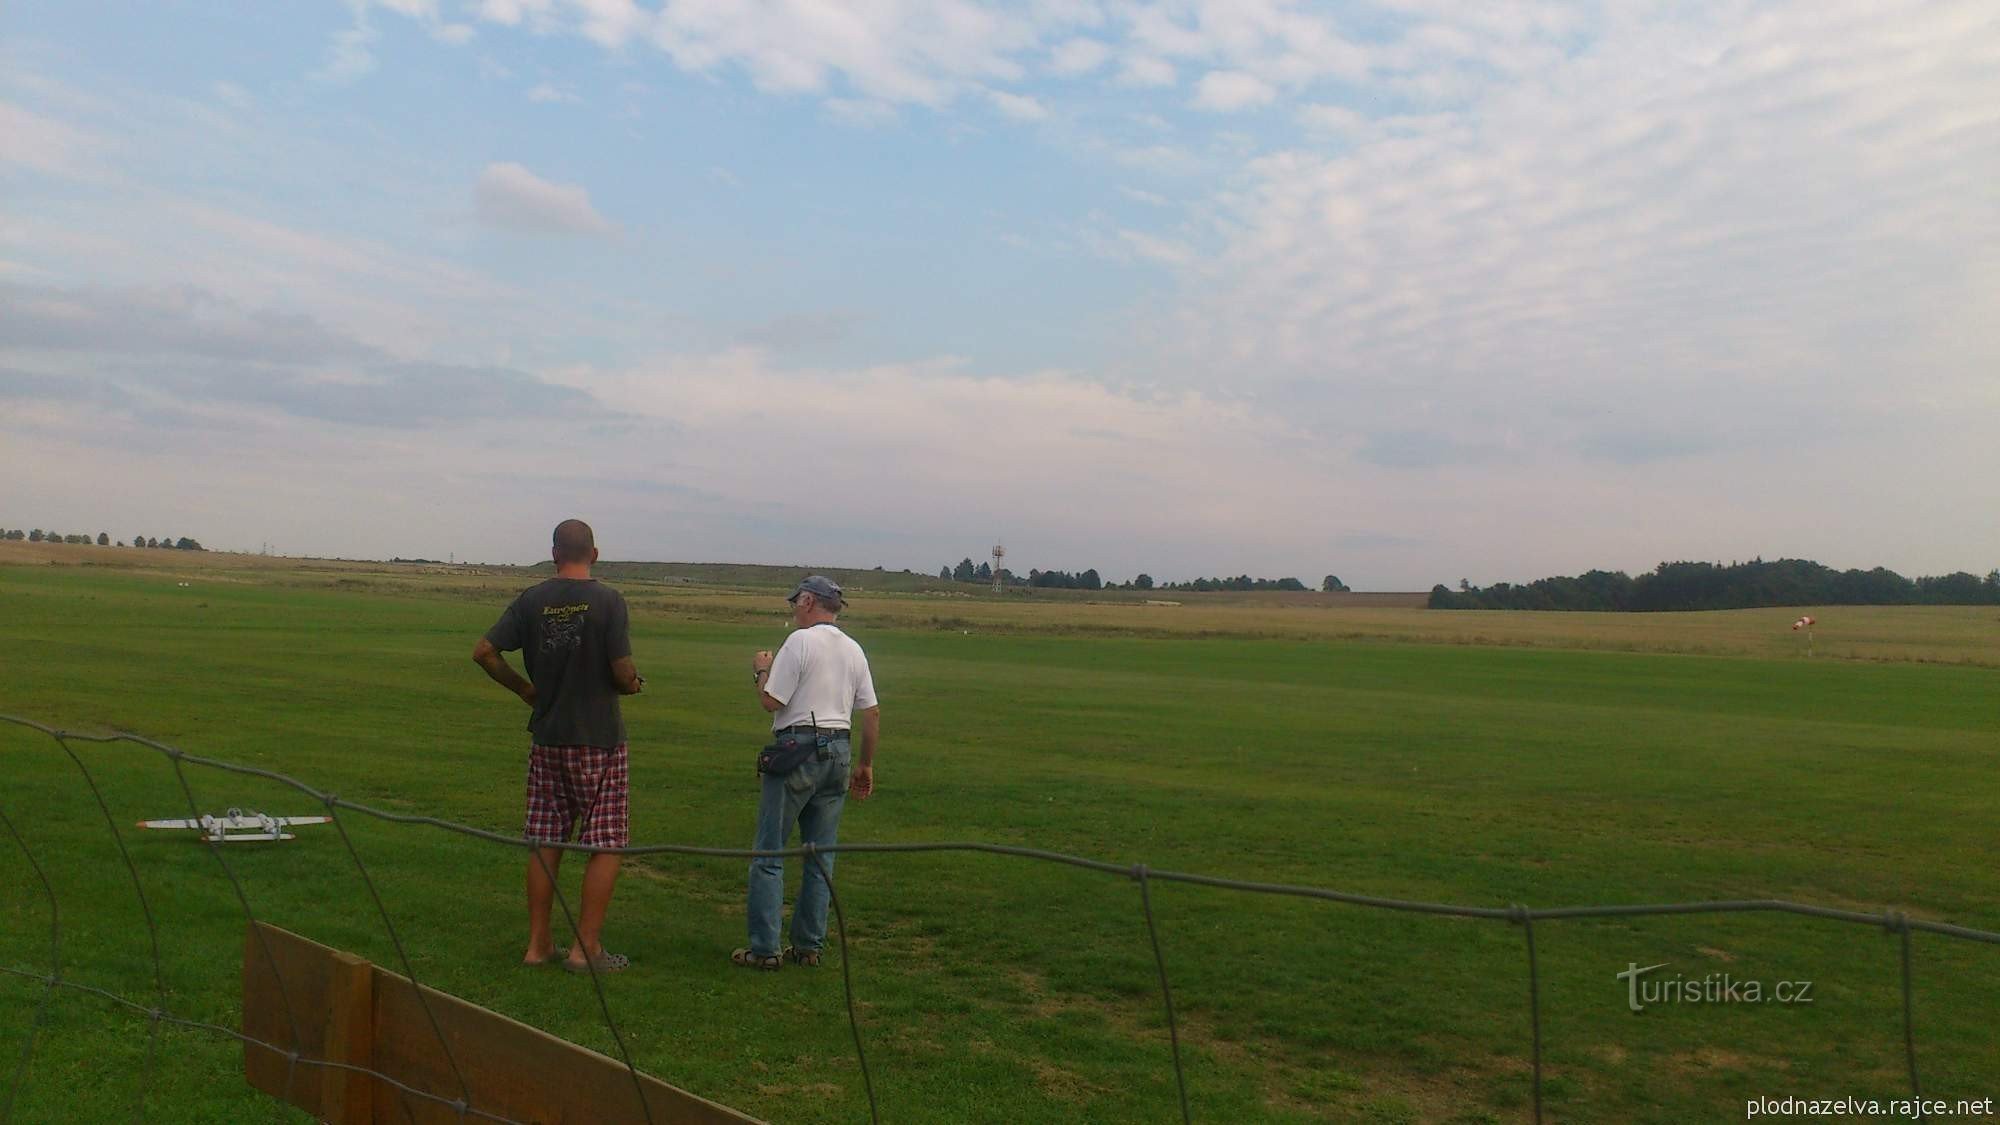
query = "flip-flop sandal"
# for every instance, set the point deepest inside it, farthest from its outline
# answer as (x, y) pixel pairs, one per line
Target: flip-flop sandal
(750, 960)
(609, 963)
(806, 957)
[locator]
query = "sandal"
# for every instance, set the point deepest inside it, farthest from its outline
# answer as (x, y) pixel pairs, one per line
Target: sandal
(806, 957)
(607, 963)
(751, 960)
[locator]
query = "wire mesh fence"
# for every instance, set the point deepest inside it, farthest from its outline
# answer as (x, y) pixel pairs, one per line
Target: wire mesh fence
(463, 1102)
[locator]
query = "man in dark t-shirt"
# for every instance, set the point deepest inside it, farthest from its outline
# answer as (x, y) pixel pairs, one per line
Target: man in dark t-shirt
(572, 632)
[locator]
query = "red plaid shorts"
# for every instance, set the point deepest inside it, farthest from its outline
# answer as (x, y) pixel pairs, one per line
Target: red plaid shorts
(568, 784)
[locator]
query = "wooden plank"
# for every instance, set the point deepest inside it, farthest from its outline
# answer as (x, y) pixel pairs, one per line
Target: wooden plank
(512, 1069)
(350, 1010)
(284, 1004)
(347, 1097)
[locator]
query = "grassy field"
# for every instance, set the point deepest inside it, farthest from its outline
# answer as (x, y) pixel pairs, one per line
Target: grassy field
(1479, 758)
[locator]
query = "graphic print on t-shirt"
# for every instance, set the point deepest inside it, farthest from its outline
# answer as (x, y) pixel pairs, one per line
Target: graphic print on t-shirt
(562, 626)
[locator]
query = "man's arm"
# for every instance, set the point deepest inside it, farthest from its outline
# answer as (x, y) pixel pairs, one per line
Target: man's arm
(760, 674)
(862, 783)
(502, 673)
(626, 675)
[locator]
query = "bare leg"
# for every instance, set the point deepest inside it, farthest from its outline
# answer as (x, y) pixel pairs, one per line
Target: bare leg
(600, 874)
(543, 864)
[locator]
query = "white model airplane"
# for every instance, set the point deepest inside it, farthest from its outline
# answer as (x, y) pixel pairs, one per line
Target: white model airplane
(239, 827)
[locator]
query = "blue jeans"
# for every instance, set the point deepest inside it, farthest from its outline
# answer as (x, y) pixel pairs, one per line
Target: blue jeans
(811, 795)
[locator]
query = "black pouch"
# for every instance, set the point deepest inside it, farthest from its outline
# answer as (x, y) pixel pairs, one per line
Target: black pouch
(787, 752)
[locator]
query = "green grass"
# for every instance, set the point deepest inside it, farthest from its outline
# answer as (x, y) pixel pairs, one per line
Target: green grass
(995, 989)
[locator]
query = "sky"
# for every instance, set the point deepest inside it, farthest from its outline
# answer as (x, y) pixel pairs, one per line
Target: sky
(1408, 291)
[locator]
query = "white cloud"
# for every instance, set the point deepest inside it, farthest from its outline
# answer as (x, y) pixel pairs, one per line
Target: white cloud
(351, 52)
(861, 113)
(611, 23)
(1156, 249)
(549, 92)
(1078, 56)
(230, 94)
(510, 13)
(44, 144)
(1145, 71)
(1226, 91)
(1642, 254)
(1017, 106)
(513, 198)
(1330, 118)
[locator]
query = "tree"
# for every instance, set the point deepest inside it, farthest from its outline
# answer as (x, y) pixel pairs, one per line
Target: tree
(1089, 580)
(984, 573)
(35, 536)
(964, 571)
(1143, 582)
(103, 539)
(944, 572)
(151, 542)
(138, 540)
(186, 544)
(1332, 585)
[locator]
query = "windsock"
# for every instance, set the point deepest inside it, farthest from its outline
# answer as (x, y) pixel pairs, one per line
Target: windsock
(1802, 623)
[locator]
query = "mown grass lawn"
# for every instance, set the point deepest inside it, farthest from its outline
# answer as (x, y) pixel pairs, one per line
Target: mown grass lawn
(996, 989)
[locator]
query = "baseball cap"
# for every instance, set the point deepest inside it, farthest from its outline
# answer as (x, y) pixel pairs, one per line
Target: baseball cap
(821, 587)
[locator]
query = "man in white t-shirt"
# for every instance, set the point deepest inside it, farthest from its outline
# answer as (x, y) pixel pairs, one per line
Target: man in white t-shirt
(817, 685)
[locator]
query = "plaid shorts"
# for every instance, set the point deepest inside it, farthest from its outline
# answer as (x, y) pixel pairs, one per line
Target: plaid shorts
(568, 784)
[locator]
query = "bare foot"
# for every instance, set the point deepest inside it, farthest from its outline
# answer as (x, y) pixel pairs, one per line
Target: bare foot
(544, 957)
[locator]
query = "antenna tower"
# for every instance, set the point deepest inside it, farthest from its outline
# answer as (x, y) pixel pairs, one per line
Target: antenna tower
(999, 583)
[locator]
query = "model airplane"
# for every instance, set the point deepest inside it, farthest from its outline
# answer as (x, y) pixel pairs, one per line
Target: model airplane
(239, 827)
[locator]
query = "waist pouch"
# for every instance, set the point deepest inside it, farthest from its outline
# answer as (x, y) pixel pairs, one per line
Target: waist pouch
(790, 750)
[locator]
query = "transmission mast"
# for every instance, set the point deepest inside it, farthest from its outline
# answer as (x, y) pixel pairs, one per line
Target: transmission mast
(999, 583)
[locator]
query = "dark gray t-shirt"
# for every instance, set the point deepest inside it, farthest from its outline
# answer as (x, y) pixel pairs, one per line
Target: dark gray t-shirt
(569, 630)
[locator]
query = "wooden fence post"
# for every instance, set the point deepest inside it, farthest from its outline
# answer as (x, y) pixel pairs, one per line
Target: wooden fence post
(348, 1097)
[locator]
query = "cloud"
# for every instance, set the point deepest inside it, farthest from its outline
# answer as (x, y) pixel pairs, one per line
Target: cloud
(1016, 106)
(185, 349)
(861, 113)
(162, 320)
(1156, 249)
(1078, 56)
(45, 145)
(1226, 91)
(1331, 119)
(547, 92)
(350, 54)
(800, 332)
(510, 197)
(1749, 213)
(1145, 71)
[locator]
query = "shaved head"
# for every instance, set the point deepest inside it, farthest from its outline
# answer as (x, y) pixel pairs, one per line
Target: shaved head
(574, 542)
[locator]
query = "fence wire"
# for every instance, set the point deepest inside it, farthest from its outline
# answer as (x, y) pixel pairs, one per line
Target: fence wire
(464, 1104)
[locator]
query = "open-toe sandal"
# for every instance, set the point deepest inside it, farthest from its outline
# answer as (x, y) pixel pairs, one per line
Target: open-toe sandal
(751, 960)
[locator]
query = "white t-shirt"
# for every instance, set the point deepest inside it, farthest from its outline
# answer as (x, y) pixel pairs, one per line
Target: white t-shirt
(821, 676)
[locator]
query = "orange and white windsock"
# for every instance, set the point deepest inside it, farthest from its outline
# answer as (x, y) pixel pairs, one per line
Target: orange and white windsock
(1802, 623)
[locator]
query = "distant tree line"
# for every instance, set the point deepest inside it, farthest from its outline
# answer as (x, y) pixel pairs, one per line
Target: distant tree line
(101, 539)
(1747, 585)
(1089, 579)
(1240, 582)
